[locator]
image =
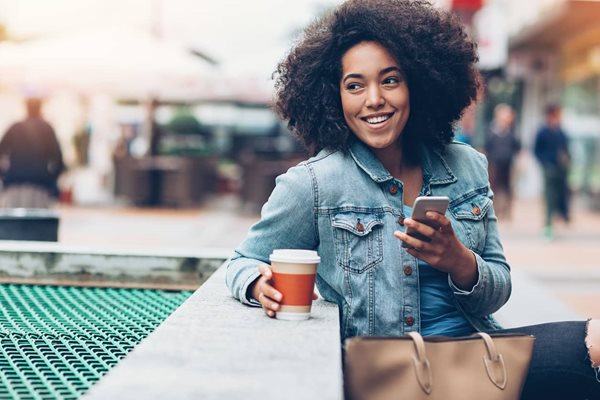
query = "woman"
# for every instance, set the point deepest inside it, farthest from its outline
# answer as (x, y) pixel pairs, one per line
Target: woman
(373, 89)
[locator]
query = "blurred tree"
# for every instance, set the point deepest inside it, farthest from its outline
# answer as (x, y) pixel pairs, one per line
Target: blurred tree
(186, 136)
(184, 123)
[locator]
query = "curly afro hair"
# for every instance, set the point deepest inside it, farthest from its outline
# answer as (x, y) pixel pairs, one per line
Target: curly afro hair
(431, 47)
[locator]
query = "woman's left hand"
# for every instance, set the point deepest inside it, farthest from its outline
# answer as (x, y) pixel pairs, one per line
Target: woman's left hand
(444, 252)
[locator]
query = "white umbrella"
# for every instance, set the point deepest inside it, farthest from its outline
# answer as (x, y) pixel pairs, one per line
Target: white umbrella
(121, 62)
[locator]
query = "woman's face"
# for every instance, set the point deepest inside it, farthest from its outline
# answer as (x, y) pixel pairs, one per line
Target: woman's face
(374, 94)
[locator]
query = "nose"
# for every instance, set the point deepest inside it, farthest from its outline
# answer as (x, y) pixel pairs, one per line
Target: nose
(375, 98)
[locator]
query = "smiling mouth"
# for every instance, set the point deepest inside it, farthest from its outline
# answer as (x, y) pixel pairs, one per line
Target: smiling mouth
(378, 119)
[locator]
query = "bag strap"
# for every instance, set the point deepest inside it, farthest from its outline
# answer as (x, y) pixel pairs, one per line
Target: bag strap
(421, 363)
(494, 362)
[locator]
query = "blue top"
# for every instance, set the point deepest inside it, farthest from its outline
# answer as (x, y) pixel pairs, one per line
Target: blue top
(439, 315)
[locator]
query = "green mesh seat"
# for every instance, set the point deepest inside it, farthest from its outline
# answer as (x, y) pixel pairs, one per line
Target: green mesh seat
(57, 341)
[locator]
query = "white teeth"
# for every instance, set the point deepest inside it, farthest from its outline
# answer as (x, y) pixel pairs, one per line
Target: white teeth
(378, 120)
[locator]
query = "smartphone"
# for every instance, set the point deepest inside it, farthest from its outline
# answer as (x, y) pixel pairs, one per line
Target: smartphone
(422, 205)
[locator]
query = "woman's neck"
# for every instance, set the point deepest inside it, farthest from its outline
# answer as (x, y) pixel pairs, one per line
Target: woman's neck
(392, 159)
(410, 175)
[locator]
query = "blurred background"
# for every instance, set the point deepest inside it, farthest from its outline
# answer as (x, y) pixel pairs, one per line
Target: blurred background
(190, 81)
(137, 89)
(138, 136)
(162, 112)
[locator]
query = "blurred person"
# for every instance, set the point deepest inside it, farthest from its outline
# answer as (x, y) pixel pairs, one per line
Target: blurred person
(462, 135)
(501, 146)
(465, 128)
(552, 151)
(391, 78)
(30, 161)
(122, 146)
(156, 130)
(154, 149)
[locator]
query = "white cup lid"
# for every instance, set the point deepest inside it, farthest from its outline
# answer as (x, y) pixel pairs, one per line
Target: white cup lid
(295, 255)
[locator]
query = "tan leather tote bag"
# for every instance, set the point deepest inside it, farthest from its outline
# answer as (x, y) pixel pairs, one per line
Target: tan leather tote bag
(478, 367)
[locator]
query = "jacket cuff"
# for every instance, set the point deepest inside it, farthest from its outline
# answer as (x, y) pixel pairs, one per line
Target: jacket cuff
(475, 287)
(245, 297)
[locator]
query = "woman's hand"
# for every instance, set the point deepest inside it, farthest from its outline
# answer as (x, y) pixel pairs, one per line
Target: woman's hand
(266, 294)
(444, 252)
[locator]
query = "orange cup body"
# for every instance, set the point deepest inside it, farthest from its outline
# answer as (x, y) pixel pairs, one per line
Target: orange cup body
(296, 283)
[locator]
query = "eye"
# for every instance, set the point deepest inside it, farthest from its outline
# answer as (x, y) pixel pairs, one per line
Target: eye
(353, 86)
(391, 80)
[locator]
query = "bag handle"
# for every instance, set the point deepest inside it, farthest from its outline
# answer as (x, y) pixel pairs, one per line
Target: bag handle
(494, 362)
(421, 363)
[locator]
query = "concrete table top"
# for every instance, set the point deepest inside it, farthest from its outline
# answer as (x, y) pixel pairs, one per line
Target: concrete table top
(213, 347)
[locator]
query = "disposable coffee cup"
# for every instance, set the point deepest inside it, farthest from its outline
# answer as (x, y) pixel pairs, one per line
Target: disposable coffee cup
(294, 276)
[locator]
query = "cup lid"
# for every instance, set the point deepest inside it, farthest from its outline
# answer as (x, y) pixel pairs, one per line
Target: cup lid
(295, 255)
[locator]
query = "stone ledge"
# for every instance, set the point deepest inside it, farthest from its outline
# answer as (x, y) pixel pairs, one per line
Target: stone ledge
(213, 347)
(56, 264)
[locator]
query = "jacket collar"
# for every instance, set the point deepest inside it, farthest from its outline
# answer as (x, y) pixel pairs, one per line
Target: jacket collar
(435, 169)
(366, 160)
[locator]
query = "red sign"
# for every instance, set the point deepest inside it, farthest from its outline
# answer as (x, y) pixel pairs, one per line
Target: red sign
(470, 5)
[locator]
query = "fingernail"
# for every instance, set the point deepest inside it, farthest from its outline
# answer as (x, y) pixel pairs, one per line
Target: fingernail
(277, 296)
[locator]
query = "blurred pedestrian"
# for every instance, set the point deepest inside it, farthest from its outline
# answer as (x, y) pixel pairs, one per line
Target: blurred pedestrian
(501, 146)
(156, 131)
(552, 151)
(465, 128)
(30, 161)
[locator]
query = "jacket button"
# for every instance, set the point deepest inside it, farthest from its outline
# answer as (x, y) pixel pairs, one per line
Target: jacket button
(401, 221)
(408, 271)
(409, 321)
(393, 189)
(476, 210)
(360, 227)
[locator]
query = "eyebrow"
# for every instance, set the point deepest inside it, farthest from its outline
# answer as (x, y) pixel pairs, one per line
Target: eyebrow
(382, 72)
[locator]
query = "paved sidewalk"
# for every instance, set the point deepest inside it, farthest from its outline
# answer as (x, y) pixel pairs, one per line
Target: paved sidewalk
(559, 277)
(568, 266)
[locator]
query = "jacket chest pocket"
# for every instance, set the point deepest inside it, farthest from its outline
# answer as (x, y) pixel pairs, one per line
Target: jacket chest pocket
(358, 241)
(471, 221)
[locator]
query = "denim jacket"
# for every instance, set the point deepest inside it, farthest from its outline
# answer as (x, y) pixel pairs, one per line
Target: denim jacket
(346, 206)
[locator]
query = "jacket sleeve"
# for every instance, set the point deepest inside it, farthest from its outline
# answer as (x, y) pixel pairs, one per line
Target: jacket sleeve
(494, 286)
(287, 222)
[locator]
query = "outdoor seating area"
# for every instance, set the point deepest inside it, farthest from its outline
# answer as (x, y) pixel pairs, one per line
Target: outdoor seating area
(309, 199)
(165, 180)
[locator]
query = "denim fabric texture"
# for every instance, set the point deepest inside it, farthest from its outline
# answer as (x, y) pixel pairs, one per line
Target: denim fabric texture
(346, 206)
(560, 367)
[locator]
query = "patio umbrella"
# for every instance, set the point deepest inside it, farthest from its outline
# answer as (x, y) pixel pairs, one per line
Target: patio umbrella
(124, 63)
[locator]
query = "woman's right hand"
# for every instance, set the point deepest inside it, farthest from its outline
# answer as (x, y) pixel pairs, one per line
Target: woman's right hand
(266, 294)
